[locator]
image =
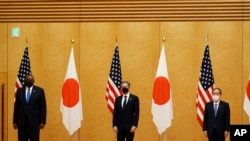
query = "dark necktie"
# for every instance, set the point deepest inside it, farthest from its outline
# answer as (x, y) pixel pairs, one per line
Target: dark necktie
(124, 102)
(215, 109)
(28, 96)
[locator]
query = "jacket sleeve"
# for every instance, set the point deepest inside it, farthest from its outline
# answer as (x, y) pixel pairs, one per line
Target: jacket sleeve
(204, 126)
(16, 109)
(115, 113)
(136, 111)
(43, 107)
(227, 117)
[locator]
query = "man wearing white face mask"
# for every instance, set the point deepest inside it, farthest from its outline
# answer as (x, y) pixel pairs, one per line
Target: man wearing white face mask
(216, 119)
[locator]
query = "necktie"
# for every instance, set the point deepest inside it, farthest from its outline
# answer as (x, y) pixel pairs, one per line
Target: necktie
(28, 96)
(215, 109)
(124, 102)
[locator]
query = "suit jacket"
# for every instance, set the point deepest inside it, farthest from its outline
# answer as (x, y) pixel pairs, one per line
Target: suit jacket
(221, 122)
(125, 118)
(34, 111)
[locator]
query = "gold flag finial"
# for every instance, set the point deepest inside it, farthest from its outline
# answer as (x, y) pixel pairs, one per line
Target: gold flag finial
(163, 39)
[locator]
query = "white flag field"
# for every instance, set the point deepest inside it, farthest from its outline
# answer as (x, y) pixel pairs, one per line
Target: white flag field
(71, 103)
(162, 109)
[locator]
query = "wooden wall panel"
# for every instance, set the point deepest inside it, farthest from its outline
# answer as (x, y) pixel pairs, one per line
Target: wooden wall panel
(3, 47)
(139, 45)
(3, 107)
(3, 80)
(49, 48)
(94, 25)
(185, 47)
(246, 64)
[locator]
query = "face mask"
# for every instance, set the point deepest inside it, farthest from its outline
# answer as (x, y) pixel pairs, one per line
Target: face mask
(124, 90)
(28, 84)
(216, 98)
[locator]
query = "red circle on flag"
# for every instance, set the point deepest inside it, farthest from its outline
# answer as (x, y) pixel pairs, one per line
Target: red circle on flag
(70, 93)
(248, 90)
(161, 91)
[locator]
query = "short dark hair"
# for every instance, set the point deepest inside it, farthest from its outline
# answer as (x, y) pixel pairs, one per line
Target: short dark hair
(126, 82)
(217, 89)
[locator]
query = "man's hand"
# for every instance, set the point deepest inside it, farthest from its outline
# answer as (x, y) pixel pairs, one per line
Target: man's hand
(115, 129)
(205, 133)
(41, 126)
(132, 130)
(226, 134)
(15, 126)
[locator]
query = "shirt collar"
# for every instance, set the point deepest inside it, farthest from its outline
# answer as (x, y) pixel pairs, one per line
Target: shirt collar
(217, 102)
(29, 88)
(126, 95)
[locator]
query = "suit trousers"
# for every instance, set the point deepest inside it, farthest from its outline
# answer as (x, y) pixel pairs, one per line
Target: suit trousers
(27, 132)
(125, 134)
(215, 137)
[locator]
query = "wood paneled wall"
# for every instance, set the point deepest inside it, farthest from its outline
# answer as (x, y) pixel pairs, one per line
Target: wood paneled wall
(139, 27)
(139, 44)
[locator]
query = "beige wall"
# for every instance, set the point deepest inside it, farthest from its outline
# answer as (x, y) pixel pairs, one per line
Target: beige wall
(139, 46)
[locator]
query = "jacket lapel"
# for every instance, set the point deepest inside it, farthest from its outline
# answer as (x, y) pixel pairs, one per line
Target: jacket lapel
(33, 93)
(130, 99)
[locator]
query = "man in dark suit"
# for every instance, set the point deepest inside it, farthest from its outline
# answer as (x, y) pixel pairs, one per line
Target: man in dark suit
(216, 120)
(126, 114)
(29, 110)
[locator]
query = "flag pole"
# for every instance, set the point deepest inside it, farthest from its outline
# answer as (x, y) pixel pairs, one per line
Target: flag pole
(26, 41)
(163, 135)
(207, 39)
(75, 136)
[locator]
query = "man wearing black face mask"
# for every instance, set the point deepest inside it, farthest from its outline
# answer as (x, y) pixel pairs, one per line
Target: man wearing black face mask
(29, 111)
(126, 114)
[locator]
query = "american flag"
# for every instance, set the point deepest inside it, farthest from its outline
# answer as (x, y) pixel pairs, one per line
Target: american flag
(114, 81)
(24, 69)
(205, 85)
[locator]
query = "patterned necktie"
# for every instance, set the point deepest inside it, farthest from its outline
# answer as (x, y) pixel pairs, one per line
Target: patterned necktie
(28, 96)
(215, 109)
(124, 102)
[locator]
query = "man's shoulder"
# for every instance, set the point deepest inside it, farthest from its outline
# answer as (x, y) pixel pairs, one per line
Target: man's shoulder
(119, 97)
(224, 102)
(37, 87)
(209, 103)
(134, 96)
(20, 89)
